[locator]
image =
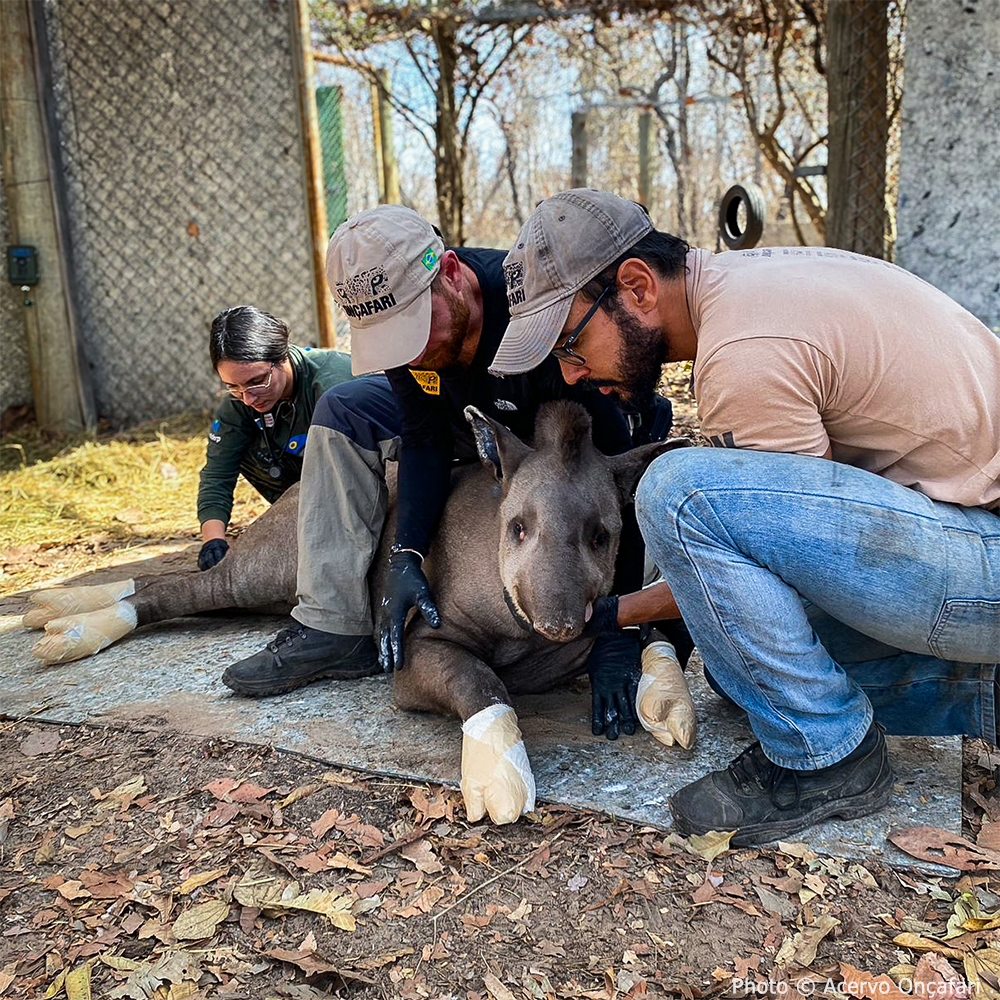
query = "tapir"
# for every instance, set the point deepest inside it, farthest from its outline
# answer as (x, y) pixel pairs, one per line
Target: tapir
(526, 543)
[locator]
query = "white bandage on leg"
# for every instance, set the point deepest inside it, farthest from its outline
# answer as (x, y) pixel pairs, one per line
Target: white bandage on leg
(76, 636)
(663, 702)
(496, 775)
(62, 601)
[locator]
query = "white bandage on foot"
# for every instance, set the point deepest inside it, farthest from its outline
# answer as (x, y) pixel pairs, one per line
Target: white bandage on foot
(663, 702)
(76, 636)
(496, 775)
(62, 601)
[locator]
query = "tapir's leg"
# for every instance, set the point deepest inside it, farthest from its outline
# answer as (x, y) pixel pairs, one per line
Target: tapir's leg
(445, 678)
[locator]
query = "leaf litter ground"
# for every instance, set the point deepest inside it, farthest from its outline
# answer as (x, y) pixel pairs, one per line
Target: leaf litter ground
(143, 863)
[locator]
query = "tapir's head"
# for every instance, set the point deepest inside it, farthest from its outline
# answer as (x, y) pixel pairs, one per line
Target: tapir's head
(560, 513)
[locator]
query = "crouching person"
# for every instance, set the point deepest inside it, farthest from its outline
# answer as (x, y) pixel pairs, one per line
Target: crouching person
(836, 556)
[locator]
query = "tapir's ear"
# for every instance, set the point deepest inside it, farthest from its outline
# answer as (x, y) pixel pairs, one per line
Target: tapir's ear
(628, 467)
(500, 450)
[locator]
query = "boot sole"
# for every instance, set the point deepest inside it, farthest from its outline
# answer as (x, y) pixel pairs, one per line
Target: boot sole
(853, 808)
(261, 689)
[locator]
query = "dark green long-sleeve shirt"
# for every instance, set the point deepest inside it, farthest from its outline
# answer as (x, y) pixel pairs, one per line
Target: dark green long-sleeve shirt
(270, 457)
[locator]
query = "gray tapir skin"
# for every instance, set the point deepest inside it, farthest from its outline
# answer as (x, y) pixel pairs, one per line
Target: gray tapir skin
(551, 512)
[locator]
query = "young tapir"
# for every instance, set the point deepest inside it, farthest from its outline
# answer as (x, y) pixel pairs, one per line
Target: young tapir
(525, 545)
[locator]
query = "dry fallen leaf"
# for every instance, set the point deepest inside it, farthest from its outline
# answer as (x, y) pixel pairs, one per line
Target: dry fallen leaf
(201, 920)
(202, 878)
(801, 948)
(421, 854)
(862, 984)
(931, 843)
(497, 989)
(934, 977)
(39, 742)
(710, 845)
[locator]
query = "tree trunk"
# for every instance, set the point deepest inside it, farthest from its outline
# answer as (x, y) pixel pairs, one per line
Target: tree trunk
(859, 125)
(449, 161)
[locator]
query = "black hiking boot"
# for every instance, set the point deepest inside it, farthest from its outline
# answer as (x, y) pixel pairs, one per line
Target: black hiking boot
(298, 656)
(765, 802)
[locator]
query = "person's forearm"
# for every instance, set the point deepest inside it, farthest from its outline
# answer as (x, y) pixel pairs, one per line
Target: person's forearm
(212, 528)
(647, 605)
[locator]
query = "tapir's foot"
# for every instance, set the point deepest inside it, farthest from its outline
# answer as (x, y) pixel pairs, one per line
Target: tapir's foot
(298, 656)
(496, 775)
(663, 701)
(62, 601)
(76, 636)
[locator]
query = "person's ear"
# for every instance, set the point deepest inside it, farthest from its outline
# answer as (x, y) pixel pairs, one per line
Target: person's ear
(637, 284)
(451, 269)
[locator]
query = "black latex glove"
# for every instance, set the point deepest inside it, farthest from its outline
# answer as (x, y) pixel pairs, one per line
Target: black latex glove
(406, 587)
(212, 552)
(604, 617)
(615, 667)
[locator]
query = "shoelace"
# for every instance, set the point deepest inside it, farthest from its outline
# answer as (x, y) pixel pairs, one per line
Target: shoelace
(752, 768)
(285, 636)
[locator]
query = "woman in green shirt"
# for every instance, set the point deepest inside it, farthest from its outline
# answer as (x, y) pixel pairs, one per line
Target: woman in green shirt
(260, 427)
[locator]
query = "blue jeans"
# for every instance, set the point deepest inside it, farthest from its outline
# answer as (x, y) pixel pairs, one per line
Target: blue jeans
(821, 596)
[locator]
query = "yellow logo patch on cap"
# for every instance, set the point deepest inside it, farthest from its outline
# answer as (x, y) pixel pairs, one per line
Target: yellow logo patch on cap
(430, 258)
(430, 382)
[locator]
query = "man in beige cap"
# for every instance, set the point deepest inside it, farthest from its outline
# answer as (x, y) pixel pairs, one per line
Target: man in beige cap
(836, 555)
(432, 319)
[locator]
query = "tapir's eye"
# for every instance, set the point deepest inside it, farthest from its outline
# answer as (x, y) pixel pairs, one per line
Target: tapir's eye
(600, 539)
(517, 530)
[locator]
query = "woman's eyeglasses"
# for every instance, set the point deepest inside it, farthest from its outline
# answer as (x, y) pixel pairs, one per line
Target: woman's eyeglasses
(253, 388)
(563, 352)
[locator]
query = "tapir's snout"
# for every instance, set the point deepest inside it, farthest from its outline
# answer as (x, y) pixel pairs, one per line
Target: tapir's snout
(558, 624)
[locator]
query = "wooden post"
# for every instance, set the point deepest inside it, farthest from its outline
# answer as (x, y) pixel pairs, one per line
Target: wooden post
(645, 118)
(578, 132)
(386, 150)
(59, 378)
(313, 155)
(857, 65)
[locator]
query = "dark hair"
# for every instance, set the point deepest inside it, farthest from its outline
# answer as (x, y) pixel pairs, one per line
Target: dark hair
(246, 334)
(664, 253)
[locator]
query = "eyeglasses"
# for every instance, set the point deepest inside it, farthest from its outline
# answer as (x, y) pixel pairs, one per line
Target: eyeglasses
(255, 388)
(563, 352)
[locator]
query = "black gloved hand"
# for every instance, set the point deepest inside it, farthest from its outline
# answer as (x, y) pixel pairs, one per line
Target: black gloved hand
(604, 616)
(406, 587)
(614, 666)
(212, 552)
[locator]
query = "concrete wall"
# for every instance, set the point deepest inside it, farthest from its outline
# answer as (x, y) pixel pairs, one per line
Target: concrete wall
(181, 147)
(15, 377)
(948, 221)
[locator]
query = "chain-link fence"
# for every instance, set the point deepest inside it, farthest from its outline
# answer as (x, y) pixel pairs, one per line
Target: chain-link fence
(180, 140)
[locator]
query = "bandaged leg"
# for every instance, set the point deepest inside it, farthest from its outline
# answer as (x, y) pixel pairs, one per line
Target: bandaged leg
(62, 601)
(663, 702)
(76, 636)
(496, 775)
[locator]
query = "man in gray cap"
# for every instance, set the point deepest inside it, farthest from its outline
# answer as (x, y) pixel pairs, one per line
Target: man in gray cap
(836, 554)
(432, 318)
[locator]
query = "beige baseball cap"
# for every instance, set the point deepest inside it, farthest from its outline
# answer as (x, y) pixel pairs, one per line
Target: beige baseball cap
(380, 265)
(569, 239)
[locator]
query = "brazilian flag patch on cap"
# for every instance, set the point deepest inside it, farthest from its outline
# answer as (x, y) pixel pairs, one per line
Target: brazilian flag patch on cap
(430, 258)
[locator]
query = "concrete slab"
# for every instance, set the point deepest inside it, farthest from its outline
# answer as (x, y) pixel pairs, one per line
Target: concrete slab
(169, 674)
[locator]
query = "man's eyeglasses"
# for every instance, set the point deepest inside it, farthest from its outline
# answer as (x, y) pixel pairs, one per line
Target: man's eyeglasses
(563, 352)
(254, 388)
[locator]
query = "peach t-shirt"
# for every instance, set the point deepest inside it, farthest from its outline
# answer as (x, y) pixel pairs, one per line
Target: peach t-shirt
(801, 349)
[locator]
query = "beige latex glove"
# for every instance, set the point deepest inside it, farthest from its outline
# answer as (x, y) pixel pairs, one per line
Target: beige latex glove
(62, 601)
(77, 636)
(496, 775)
(663, 702)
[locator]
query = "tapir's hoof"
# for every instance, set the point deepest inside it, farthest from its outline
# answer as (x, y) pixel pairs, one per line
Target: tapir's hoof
(61, 601)
(75, 636)
(496, 775)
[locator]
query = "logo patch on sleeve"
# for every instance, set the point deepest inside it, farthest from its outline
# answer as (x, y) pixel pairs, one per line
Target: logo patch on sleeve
(430, 382)
(296, 444)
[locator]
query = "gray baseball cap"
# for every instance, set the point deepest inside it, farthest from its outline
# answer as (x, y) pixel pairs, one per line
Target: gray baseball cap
(569, 239)
(380, 264)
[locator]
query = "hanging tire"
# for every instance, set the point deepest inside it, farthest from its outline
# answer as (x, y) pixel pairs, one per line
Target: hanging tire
(752, 198)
